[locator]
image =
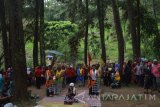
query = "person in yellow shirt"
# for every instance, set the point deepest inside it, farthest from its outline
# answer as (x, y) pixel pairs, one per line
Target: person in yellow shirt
(116, 80)
(58, 80)
(117, 76)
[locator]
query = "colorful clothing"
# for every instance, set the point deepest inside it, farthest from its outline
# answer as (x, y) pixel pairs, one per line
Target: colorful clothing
(1, 83)
(80, 76)
(93, 83)
(117, 76)
(38, 73)
(156, 73)
(58, 82)
(48, 74)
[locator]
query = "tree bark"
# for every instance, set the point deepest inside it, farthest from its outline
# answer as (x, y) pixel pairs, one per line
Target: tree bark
(154, 9)
(132, 28)
(18, 50)
(154, 13)
(86, 36)
(100, 11)
(138, 30)
(36, 33)
(119, 34)
(42, 45)
(4, 35)
(157, 38)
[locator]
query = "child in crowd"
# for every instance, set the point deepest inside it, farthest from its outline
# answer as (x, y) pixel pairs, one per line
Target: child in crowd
(115, 80)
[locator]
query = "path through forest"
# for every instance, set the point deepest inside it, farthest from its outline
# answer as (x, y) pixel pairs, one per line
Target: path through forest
(82, 96)
(57, 101)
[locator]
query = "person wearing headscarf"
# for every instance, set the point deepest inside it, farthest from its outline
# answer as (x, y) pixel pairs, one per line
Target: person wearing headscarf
(71, 91)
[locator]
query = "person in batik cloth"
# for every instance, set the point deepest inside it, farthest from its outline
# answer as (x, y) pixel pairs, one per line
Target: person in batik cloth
(93, 83)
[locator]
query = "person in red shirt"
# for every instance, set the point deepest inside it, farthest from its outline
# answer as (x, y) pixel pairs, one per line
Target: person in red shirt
(38, 73)
(70, 73)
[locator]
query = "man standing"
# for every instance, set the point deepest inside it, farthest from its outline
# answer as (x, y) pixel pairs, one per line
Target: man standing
(93, 83)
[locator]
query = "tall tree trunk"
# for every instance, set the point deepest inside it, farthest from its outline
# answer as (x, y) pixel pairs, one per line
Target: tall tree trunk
(1, 59)
(154, 9)
(4, 35)
(124, 30)
(132, 27)
(36, 33)
(100, 11)
(86, 35)
(154, 12)
(42, 45)
(18, 50)
(138, 30)
(119, 34)
(157, 38)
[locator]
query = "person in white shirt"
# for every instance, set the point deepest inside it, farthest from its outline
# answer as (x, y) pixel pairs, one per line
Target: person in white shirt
(138, 73)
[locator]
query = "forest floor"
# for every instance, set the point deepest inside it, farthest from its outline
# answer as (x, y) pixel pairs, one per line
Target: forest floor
(132, 96)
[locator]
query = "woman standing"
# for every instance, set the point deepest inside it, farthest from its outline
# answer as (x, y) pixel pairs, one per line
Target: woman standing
(58, 80)
(156, 73)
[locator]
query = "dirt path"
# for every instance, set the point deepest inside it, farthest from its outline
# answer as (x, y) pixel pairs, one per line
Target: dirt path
(145, 100)
(57, 101)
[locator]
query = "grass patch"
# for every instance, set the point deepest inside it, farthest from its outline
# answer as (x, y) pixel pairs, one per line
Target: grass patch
(29, 103)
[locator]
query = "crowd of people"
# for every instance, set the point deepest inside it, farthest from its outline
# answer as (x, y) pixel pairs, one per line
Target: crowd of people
(6, 85)
(60, 76)
(142, 72)
(57, 77)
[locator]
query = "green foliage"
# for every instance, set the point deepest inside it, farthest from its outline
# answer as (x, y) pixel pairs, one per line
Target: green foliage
(57, 35)
(148, 24)
(68, 37)
(149, 34)
(29, 54)
(55, 11)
